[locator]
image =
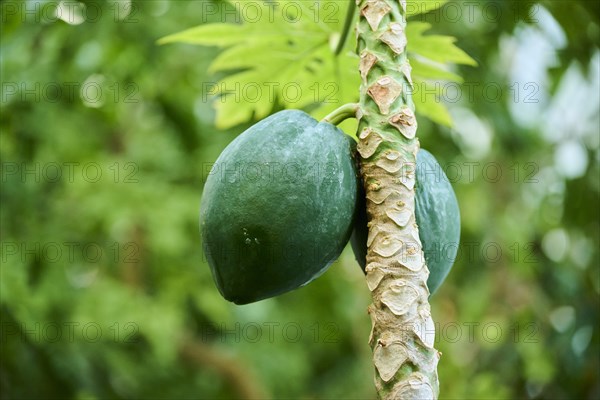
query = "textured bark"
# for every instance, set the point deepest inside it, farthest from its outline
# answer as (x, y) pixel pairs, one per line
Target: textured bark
(402, 336)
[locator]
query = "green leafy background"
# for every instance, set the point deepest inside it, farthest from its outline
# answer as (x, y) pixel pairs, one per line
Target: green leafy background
(147, 320)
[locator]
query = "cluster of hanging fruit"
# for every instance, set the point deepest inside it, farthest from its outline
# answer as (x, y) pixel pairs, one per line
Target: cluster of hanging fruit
(285, 197)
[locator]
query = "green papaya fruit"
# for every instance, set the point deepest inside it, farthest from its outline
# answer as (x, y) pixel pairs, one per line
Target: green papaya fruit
(437, 215)
(278, 206)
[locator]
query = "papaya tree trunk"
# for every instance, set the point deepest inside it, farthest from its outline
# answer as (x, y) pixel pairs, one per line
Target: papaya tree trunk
(402, 335)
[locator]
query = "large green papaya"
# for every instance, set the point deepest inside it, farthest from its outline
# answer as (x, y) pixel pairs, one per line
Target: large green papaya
(437, 215)
(278, 206)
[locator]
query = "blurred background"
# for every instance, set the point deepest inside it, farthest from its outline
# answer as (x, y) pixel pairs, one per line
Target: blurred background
(107, 139)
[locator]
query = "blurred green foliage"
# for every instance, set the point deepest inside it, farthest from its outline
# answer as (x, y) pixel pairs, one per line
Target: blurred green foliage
(106, 140)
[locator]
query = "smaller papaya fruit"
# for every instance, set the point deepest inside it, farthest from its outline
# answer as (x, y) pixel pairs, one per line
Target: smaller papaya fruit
(278, 207)
(437, 215)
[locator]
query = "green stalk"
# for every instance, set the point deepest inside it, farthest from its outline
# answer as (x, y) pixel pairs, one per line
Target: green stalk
(346, 28)
(342, 113)
(403, 332)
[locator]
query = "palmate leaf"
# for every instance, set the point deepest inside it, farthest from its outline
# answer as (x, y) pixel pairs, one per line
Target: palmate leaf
(281, 57)
(424, 69)
(287, 56)
(427, 98)
(435, 47)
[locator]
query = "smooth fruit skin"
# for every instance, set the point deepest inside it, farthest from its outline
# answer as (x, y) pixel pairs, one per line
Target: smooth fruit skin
(437, 215)
(279, 206)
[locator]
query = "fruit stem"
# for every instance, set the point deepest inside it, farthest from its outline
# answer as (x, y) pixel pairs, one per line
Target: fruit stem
(346, 28)
(341, 114)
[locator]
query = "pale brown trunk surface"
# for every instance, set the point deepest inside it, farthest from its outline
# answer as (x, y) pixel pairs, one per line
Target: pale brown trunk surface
(403, 331)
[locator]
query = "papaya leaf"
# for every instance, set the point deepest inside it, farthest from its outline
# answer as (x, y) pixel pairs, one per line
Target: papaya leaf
(208, 35)
(424, 70)
(427, 99)
(435, 111)
(437, 48)
(287, 57)
(296, 36)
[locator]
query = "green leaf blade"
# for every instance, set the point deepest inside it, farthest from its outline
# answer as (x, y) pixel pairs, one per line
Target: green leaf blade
(437, 48)
(423, 70)
(218, 34)
(302, 70)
